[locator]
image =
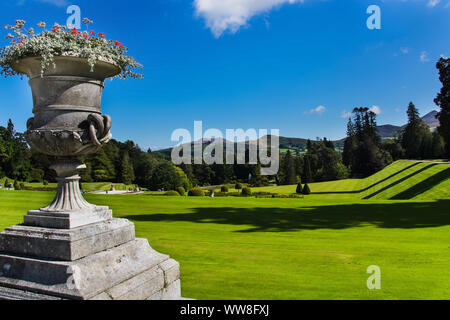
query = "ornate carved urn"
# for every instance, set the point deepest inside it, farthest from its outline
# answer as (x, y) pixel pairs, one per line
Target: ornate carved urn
(67, 123)
(72, 249)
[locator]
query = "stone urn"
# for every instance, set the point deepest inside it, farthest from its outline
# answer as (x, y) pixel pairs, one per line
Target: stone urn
(72, 249)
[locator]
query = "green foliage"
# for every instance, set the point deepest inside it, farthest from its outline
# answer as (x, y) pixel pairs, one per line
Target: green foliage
(224, 189)
(306, 190)
(238, 186)
(246, 191)
(165, 177)
(127, 170)
(288, 172)
(45, 183)
(196, 192)
(36, 175)
(416, 136)
(362, 153)
(443, 101)
(299, 188)
(16, 185)
(61, 41)
(181, 191)
(172, 193)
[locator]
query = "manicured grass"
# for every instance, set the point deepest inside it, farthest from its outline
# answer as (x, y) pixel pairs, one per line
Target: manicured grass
(402, 180)
(312, 248)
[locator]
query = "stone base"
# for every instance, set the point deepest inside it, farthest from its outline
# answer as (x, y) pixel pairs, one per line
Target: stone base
(99, 261)
(67, 220)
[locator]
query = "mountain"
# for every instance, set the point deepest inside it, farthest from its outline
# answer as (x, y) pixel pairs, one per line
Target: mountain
(299, 144)
(389, 131)
(431, 120)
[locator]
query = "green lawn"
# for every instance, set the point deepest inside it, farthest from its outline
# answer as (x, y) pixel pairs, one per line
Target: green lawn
(402, 180)
(312, 248)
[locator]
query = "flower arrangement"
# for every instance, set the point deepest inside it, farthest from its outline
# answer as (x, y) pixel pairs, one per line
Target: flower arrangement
(62, 41)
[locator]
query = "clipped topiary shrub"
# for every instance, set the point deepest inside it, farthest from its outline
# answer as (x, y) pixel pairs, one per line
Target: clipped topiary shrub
(224, 189)
(16, 185)
(246, 191)
(172, 193)
(196, 193)
(238, 186)
(45, 183)
(181, 191)
(299, 188)
(306, 190)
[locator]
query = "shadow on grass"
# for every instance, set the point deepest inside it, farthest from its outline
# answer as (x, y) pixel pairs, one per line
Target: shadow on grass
(397, 215)
(424, 185)
(399, 181)
(371, 186)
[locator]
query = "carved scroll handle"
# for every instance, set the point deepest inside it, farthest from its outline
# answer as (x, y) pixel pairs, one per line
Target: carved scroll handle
(30, 123)
(99, 128)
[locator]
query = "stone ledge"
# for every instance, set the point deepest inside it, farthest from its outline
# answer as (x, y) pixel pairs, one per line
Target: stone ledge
(66, 244)
(67, 220)
(130, 271)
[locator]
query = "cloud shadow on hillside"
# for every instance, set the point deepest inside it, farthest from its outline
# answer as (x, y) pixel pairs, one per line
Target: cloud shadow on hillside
(397, 215)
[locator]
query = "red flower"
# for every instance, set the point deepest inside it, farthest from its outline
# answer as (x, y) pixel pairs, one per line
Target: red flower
(54, 29)
(101, 35)
(75, 31)
(117, 43)
(92, 32)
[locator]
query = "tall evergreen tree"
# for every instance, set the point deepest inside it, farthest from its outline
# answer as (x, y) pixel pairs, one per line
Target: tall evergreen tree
(414, 134)
(288, 175)
(443, 101)
(307, 174)
(127, 171)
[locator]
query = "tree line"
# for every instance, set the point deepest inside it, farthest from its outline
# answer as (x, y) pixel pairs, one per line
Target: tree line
(364, 154)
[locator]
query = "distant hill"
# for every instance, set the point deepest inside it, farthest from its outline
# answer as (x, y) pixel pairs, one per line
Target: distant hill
(299, 144)
(389, 131)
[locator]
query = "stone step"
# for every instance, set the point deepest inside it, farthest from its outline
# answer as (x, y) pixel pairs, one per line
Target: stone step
(66, 244)
(130, 271)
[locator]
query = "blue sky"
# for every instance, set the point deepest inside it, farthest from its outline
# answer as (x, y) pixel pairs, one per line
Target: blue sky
(292, 65)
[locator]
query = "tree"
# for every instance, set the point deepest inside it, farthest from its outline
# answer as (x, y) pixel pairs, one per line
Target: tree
(306, 190)
(37, 175)
(438, 146)
(307, 175)
(102, 168)
(127, 170)
(165, 176)
(288, 170)
(414, 134)
(443, 101)
(299, 188)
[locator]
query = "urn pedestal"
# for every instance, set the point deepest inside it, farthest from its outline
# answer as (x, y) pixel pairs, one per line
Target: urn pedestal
(72, 249)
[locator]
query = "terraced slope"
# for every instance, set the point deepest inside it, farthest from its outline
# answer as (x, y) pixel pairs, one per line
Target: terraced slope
(402, 180)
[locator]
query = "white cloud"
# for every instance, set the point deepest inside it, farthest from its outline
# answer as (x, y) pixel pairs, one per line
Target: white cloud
(346, 114)
(319, 110)
(433, 3)
(59, 3)
(404, 50)
(424, 57)
(376, 110)
(223, 15)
